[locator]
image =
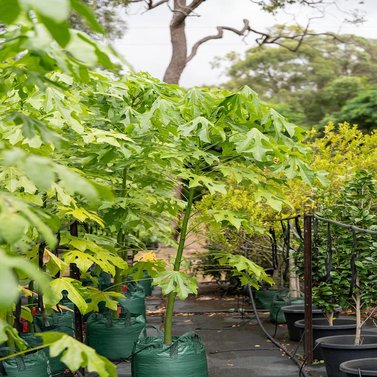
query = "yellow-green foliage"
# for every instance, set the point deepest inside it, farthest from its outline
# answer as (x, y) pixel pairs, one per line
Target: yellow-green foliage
(342, 150)
(339, 151)
(250, 233)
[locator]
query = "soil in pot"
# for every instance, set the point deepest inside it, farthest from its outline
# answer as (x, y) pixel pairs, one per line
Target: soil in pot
(340, 348)
(185, 357)
(295, 313)
(321, 328)
(359, 367)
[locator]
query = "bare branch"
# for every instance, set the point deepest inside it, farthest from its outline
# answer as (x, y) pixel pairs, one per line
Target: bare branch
(149, 3)
(369, 316)
(183, 11)
(219, 35)
(152, 5)
(282, 39)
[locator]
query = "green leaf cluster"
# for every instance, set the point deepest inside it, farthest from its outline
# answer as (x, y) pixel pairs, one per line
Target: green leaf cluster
(353, 257)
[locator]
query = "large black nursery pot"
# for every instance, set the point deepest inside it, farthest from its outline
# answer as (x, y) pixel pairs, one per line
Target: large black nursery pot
(321, 328)
(359, 367)
(340, 348)
(185, 357)
(295, 313)
(114, 338)
(34, 364)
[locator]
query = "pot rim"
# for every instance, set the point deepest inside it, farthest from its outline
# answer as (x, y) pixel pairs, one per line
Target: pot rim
(331, 342)
(352, 324)
(298, 308)
(347, 366)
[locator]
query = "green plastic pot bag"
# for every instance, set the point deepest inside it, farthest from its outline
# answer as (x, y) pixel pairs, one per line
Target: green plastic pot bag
(133, 301)
(56, 365)
(31, 365)
(146, 283)
(114, 338)
(61, 322)
(264, 299)
(104, 281)
(185, 357)
(276, 312)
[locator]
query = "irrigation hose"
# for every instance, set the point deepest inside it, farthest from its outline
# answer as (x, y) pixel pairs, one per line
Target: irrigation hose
(302, 372)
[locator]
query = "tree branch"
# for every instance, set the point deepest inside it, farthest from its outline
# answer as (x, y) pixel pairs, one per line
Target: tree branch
(150, 4)
(184, 11)
(219, 35)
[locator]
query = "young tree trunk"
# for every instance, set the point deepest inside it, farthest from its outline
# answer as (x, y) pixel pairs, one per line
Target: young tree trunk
(294, 284)
(330, 318)
(358, 311)
(168, 335)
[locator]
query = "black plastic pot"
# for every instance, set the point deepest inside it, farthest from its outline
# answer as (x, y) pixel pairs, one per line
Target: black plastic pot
(321, 328)
(185, 357)
(295, 313)
(359, 367)
(340, 348)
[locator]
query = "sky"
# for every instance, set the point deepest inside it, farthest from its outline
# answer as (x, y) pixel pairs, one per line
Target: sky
(146, 44)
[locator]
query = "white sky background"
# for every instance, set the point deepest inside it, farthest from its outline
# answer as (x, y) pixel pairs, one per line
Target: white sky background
(146, 44)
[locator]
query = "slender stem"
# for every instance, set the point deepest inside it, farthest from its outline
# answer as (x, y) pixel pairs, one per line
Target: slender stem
(358, 311)
(25, 351)
(168, 337)
(118, 278)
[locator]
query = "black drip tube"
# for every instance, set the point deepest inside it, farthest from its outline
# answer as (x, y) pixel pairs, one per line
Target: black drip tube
(302, 372)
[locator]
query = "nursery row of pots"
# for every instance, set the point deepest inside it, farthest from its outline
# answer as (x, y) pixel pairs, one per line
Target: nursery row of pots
(116, 336)
(335, 344)
(125, 338)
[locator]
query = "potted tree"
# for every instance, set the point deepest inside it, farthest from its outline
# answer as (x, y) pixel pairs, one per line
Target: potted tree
(214, 134)
(353, 272)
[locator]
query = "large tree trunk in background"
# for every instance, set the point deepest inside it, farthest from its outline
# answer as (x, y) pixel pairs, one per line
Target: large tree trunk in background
(179, 44)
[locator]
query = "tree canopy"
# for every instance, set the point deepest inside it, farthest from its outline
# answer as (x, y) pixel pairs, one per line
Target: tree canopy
(360, 110)
(308, 84)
